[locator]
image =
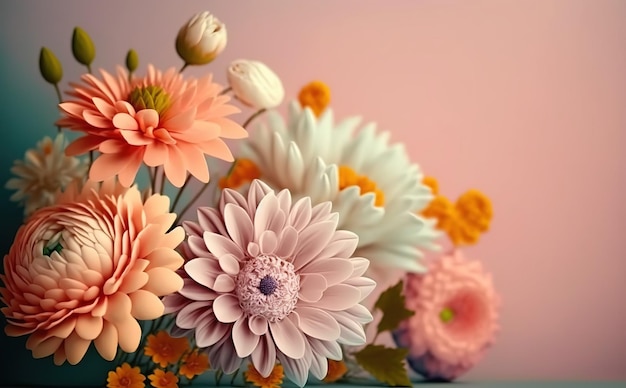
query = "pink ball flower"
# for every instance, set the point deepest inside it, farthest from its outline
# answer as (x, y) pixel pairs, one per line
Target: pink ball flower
(455, 321)
(87, 268)
(161, 119)
(267, 279)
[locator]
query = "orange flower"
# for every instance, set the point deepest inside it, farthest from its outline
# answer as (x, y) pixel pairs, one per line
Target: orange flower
(126, 377)
(194, 364)
(165, 349)
(336, 370)
(242, 171)
(162, 379)
(274, 380)
(443, 211)
(432, 183)
(475, 209)
(315, 95)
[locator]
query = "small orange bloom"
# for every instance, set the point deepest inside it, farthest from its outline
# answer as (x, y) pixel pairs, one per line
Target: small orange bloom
(194, 364)
(336, 370)
(165, 349)
(242, 171)
(432, 183)
(348, 177)
(315, 95)
(126, 377)
(274, 380)
(162, 379)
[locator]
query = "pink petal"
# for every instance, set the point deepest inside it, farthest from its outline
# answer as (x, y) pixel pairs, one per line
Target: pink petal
(268, 242)
(288, 338)
(339, 297)
(287, 242)
(300, 214)
(257, 324)
(210, 331)
(220, 245)
(334, 270)
(312, 287)
(311, 241)
(342, 244)
(229, 264)
(296, 370)
(224, 283)
(189, 316)
(352, 332)
(318, 324)
(264, 356)
(226, 308)
(244, 339)
(195, 291)
(198, 270)
(238, 224)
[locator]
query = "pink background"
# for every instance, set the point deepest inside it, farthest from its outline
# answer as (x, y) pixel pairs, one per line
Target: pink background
(524, 100)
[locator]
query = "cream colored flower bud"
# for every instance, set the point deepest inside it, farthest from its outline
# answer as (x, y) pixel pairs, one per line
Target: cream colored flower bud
(201, 40)
(255, 84)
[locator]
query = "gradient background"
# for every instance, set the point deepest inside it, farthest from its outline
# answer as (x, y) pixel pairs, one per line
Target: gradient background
(524, 100)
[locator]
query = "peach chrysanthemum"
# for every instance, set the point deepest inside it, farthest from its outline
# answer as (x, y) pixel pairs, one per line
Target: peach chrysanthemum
(456, 317)
(44, 171)
(87, 268)
(162, 379)
(162, 119)
(165, 349)
(194, 364)
(273, 380)
(268, 279)
(126, 377)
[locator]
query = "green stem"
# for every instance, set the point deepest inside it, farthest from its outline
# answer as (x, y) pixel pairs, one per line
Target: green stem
(179, 194)
(228, 89)
(162, 182)
(183, 68)
(56, 88)
(89, 69)
(152, 173)
(190, 203)
(255, 115)
(90, 159)
(232, 379)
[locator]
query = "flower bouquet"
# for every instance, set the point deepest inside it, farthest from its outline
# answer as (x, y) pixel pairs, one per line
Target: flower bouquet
(286, 263)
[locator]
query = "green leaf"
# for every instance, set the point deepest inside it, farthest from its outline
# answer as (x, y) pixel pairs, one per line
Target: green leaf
(391, 303)
(385, 364)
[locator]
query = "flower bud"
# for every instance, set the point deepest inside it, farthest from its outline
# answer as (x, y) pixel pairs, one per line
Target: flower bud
(132, 60)
(49, 66)
(82, 47)
(201, 40)
(255, 84)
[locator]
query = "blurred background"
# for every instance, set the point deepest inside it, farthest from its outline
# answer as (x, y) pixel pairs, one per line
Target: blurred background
(524, 100)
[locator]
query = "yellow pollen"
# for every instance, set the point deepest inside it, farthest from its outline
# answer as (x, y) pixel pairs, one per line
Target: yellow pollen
(242, 171)
(315, 95)
(348, 177)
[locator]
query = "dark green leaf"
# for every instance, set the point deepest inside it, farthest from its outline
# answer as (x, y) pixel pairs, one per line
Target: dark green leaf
(391, 303)
(385, 364)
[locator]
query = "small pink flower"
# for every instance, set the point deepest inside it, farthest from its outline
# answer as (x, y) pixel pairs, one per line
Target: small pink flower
(161, 119)
(455, 321)
(267, 279)
(87, 268)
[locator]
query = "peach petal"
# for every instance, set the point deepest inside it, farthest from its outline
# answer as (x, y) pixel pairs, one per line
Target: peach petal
(47, 347)
(195, 161)
(230, 129)
(106, 166)
(104, 107)
(146, 305)
(135, 138)
(163, 281)
(96, 120)
(174, 167)
(218, 149)
(133, 281)
(59, 356)
(244, 339)
(83, 144)
(289, 340)
(147, 118)
(164, 136)
(181, 121)
(129, 333)
(156, 154)
(88, 327)
(106, 342)
(119, 307)
(200, 131)
(125, 121)
(164, 258)
(75, 348)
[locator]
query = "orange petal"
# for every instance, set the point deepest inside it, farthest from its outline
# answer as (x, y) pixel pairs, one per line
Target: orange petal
(146, 305)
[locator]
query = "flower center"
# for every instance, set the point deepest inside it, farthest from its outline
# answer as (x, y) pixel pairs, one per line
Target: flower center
(268, 286)
(124, 381)
(348, 177)
(53, 244)
(446, 315)
(149, 97)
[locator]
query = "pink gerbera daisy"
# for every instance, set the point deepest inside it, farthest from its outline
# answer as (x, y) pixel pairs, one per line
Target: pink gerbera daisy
(456, 317)
(161, 119)
(268, 279)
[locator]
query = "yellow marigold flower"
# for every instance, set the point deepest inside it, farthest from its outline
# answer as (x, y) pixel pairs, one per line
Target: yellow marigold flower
(336, 370)
(441, 209)
(432, 183)
(126, 377)
(463, 233)
(348, 177)
(194, 364)
(475, 209)
(165, 349)
(161, 379)
(274, 380)
(242, 171)
(315, 95)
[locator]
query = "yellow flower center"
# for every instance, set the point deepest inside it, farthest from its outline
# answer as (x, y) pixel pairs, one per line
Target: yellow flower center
(315, 95)
(242, 171)
(348, 177)
(149, 97)
(446, 315)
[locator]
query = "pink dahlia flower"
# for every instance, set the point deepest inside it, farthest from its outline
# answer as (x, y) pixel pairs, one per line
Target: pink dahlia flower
(161, 119)
(455, 321)
(267, 279)
(87, 268)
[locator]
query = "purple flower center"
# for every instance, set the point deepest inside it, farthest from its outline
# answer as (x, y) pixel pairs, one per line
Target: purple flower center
(268, 285)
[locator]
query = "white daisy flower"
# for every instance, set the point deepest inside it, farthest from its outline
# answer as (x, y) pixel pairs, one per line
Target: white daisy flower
(374, 187)
(44, 171)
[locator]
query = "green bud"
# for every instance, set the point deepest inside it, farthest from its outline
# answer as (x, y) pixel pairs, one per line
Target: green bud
(132, 60)
(82, 47)
(49, 66)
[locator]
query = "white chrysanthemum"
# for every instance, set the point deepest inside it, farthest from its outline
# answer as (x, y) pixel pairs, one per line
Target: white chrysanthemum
(44, 171)
(308, 155)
